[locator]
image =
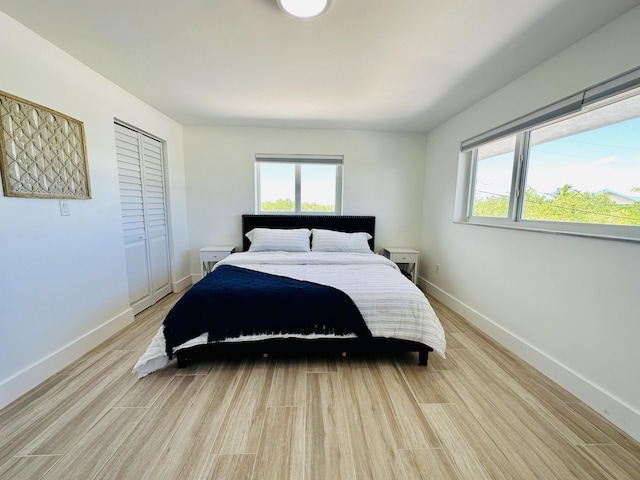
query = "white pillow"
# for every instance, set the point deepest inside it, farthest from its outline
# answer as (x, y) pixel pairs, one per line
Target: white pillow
(280, 240)
(332, 241)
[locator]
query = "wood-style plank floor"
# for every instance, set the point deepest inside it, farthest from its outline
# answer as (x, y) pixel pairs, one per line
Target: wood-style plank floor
(480, 414)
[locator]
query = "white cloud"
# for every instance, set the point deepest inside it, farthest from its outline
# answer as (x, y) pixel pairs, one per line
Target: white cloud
(604, 161)
(587, 177)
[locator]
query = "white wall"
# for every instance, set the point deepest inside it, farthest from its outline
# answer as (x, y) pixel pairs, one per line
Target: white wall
(382, 176)
(568, 305)
(63, 284)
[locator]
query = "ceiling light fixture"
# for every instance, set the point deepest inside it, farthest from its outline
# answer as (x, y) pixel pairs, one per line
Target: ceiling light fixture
(304, 8)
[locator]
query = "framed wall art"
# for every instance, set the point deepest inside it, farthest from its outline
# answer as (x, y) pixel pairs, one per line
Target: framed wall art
(42, 152)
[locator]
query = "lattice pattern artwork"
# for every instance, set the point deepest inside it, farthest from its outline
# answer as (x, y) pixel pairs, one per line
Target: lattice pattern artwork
(42, 152)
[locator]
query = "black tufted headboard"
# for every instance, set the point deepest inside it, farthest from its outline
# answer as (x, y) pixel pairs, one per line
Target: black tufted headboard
(342, 223)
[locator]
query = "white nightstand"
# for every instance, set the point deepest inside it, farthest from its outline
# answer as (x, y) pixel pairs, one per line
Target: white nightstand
(407, 257)
(212, 254)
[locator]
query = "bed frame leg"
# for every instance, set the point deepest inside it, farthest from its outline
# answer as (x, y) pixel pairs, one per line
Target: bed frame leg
(182, 359)
(423, 357)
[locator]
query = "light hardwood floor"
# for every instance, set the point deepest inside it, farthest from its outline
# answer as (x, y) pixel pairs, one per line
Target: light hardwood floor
(480, 414)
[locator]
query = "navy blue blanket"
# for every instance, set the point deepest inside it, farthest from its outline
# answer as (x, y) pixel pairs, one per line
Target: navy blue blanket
(232, 301)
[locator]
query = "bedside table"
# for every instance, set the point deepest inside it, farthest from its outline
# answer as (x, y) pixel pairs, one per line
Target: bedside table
(404, 256)
(212, 254)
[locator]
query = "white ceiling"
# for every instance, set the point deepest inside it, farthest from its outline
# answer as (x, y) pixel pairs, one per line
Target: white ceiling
(403, 65)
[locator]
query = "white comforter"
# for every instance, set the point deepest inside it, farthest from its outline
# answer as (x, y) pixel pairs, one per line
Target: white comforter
(391, 305)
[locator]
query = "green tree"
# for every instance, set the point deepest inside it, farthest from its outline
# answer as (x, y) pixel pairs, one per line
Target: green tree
(316, 207)
(495, 206)
(566, 204)
(288, 205)
(280, 205)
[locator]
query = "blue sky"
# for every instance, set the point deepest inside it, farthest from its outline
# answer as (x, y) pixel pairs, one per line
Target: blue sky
(605, 158)
(594, 160)
(318, 182)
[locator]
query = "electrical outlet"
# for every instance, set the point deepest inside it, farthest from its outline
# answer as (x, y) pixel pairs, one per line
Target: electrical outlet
(437, 268)
(64, 208)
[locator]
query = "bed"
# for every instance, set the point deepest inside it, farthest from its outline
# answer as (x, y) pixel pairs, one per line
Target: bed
(303, 284)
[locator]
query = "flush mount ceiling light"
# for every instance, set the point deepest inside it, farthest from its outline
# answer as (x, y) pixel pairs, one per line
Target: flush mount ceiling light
(304, 8)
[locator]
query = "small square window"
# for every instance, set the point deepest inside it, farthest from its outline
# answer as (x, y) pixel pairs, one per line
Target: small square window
(298, 184)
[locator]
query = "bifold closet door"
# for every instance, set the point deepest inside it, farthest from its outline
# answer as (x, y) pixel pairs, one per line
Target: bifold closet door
(144, 218)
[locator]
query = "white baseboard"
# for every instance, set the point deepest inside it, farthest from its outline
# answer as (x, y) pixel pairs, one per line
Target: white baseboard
(606, 404)
(182, 284)
(21, 382)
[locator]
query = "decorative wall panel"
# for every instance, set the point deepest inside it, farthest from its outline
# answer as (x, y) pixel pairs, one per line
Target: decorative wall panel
(42, 152)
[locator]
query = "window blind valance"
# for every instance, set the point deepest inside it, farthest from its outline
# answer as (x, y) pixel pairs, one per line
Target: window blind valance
(572, 104)
(300, 158)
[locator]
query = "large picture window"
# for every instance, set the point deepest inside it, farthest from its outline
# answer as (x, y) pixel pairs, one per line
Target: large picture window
(585, 169)
(302, 184)
(572, 167)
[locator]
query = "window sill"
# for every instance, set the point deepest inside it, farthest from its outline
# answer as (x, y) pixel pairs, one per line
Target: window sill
(602, 232)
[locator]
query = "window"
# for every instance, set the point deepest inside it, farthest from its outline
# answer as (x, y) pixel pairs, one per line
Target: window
(493, 178)
(577, 166)
(572, 167)
(302, 184)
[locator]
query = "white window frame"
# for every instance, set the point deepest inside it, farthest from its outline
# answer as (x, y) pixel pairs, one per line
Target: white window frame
(522, 127)
(298, 160)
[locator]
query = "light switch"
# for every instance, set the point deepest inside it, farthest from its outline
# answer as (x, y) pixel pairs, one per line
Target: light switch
(64, 208)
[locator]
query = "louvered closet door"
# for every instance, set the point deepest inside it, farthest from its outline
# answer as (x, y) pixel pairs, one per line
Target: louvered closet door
(144, 219)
